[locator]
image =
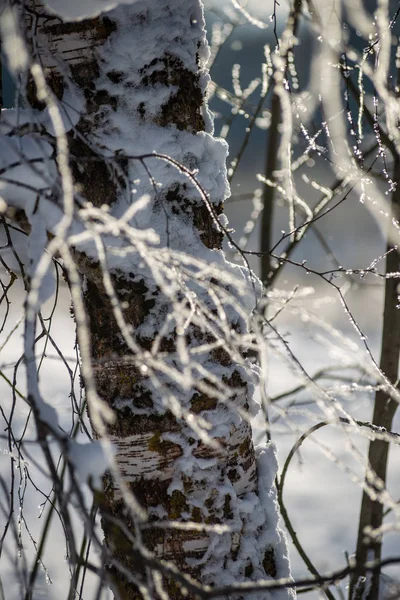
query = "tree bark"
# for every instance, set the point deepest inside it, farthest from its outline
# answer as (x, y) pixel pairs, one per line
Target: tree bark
(366, 584)
(140, 74)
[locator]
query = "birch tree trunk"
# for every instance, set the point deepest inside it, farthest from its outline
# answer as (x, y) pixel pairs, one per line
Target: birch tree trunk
(162, 342)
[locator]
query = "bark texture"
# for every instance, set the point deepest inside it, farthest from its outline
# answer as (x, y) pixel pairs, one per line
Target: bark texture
(364, 584)
(139, 73)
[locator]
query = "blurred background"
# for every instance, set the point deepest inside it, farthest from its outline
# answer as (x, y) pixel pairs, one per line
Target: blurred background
(322, 493)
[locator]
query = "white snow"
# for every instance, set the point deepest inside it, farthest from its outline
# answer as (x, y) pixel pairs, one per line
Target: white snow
(75, 10)
(90, 460)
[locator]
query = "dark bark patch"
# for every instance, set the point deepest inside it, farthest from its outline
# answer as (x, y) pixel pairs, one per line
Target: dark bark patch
(200, 402)
(210, 235)
(245, 447)
(106, 337)
(169, 450)
(98, 182)
(85, 74)
(233, 475)
(99, 29)
(183, 109)
(204, 222)
(129, 423)
(196, 514)
(269, 563)
(178, 505)
(115, 76)
(221, 356)
(54, 81)
(228, 513)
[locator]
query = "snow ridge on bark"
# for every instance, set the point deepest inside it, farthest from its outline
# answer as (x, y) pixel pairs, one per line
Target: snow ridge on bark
(226, 484)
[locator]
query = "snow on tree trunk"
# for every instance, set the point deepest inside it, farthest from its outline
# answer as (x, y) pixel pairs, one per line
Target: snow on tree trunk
(163, 325)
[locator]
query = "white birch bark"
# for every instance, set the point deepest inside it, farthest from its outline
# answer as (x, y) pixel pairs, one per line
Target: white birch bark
(166, 317)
